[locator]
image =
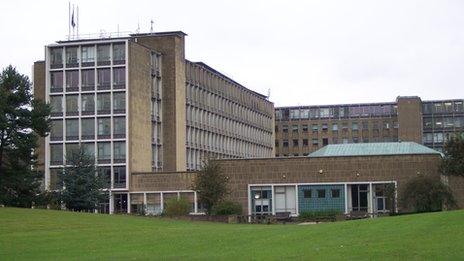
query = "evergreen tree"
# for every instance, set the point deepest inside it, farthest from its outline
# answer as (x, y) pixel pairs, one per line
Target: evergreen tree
(83, 185)
(23, 120)
(211, 185)
(453, 162)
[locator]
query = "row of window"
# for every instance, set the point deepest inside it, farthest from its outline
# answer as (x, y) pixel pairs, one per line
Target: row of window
(320, 193)
(335, 140)
(118, 181)
(334, 126)
(58, 152)
(443, 122)
(86, 55)
(88, 79)
(442, 107)
(336, 112)
(103, 127)
(70, 104)
(436, 137)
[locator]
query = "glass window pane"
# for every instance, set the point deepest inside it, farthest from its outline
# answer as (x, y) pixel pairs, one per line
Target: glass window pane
(72, 80)
(104, 152)
(56, 81)
(89, 149)
(119, 52)
(88, 54)
(71, 56)
(56, 102)
(103, 53)
(88, 128)
(88, 104)
(56, 56)
(72, 129)
(119, 127)
(104, 128)
(88, 80)
(56, 131)
(119, 177)
(72, 107)
(104, 79)
(71, 149)
(56, 154)
(119, 102)
(104, 103)
(119, 151)
(119, 77)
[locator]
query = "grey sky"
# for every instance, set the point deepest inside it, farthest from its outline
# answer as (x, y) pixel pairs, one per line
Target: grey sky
(306, 52)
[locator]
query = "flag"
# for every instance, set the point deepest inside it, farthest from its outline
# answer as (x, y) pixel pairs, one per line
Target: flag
(73, 24)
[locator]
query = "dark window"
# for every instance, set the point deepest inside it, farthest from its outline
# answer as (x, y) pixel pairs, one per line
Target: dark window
(119, 78)
(277, 143)
(105, 173)
(276, 129)
(119, 177)
(88, 80)
(325, 141)
(321, 193)
(315, 127)
(104, 79)
(325, 126)
(305, 142)
(335, 193)
(285, 143)
(304, 127)
(285, 128)
(295, 143)
(307, 193)
(295, 128)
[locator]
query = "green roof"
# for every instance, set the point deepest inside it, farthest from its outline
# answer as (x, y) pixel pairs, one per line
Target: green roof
(371, 149)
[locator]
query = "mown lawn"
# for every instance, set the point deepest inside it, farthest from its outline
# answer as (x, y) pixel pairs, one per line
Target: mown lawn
(47, 234)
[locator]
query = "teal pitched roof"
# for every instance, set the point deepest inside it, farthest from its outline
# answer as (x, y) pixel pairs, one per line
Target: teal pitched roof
(372, 149)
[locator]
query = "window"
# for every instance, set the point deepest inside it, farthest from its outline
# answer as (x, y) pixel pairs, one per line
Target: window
(365, 125)
(276, 128)
(119, 177)
(56, 154)
(119, 78)
(305, 142)
(104, 128)
(305, 127)
(354, 126)
(295, 143)
(119, 53)
(321, 193)
(355, 140)
(324, 126)
(88, 80)
(71, 149)
(88, 128)
(103, 54)
(458, 106)
(334, 127)
(103, 79)
(56, 82)
(72, 129)
(325, 141)
(335, 193)
(119, 127)
(88, 104)
(89, 149)
(345, 126)
(56, 131)
(334, 140)
(277, 143)
(285, 128)
(119, 153)
(285, 143)
(386, 125)
(104, 103)
(56, 102)
(72, 81)
(306, 193)
(56, 58)
(71, 57)
(315, 127)
(72, 107)
(88, 55)
(105, 172)
(315, 141)
(295, 128)
(104, 152)
(119, 102)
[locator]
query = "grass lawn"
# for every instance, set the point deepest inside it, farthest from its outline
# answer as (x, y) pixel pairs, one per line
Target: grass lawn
(46, 234)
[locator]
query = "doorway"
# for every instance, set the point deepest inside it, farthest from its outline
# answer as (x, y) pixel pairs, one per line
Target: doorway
(359, 197)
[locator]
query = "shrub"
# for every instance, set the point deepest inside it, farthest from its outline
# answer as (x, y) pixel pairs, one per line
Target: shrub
(328, 215)
(177, 207)
(227, 208)
(427, 194)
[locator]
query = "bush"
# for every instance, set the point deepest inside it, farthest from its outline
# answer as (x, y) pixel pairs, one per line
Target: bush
(328, 215)
(177, 207)
(227, 208)
(427, 194)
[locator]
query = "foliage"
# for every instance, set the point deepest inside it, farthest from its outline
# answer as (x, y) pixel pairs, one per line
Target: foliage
(176, 207)
(35, 234)
(227, 208)
(48, 199)
(23, 120)
(82, 182)
(211, 185)
(426, 194)
(453, 162)
(328, 215)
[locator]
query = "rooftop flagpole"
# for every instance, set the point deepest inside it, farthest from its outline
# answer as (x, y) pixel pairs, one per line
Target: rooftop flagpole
(69, 20)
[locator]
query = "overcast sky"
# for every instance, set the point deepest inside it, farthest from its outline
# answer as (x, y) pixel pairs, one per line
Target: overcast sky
(316, 52)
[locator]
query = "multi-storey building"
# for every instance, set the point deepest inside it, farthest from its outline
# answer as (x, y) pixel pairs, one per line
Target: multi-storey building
(301, 130)
(138, 105)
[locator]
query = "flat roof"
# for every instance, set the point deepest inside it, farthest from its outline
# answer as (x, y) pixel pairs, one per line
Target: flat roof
(373, 149)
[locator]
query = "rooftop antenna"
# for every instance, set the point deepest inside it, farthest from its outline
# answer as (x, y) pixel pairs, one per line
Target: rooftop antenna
(69, 20)
(77, 22)
(151, 27)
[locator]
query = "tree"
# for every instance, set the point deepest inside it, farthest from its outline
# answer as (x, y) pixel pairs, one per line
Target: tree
(23, 120)
(453, 161)
(211, 185)
(82, 184)
(427, 194)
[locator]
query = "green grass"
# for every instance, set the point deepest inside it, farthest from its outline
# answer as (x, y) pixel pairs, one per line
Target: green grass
(47, 234)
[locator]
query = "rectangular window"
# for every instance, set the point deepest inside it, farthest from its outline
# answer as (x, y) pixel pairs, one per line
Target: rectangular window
(315, 127)
(88, 128)
(56, 82)
(119, 78)
(119, 53)
(458, 106)
(315, 141)
(285, 143)
(105, 172)
(354, 126)
(72, 106)
(88, 55)
(56, 131)
(386, 125)
(277, 143)
(104, 128)
(88, 104)
(335, 193)
(285, 128)
(119, 127)
(295, 128)
(334, 127)
(119, 102)
(305, 142)
(72, 81)
(71, 150)
(56, 58)
(355, 140)
(365, 125)
(321, 193)
(103, 79)
(56, 154)
(56, 102)
(295, 143)
(71, 57)
(72, 129)
(103, 54)
(119, 177)
(334, 140)
(324, 126)
(88, 80)
(119, 151)
(304, 127)
(104, 152)
(103, 103)
(325, 141)
(306, 193)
